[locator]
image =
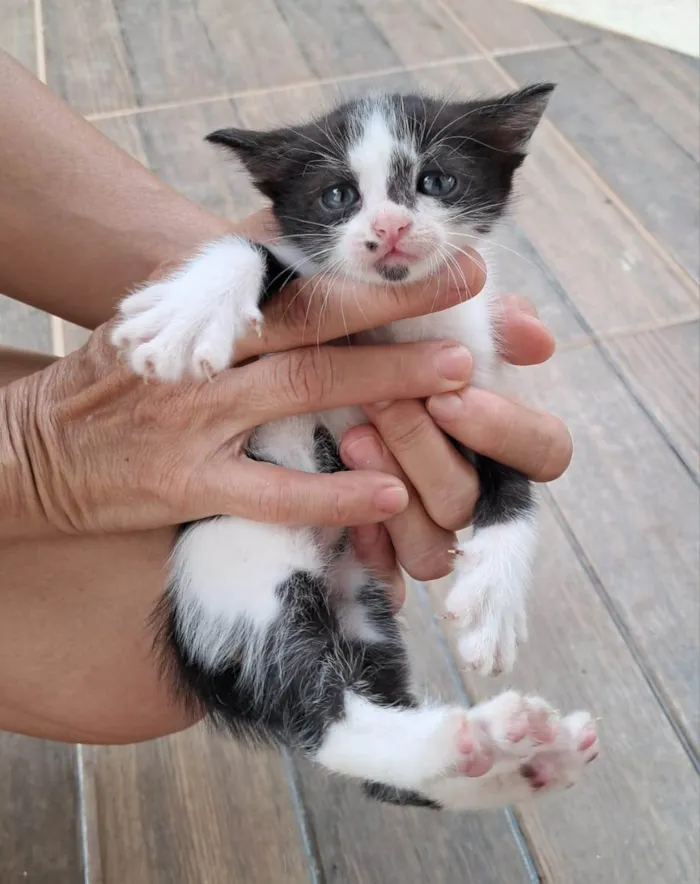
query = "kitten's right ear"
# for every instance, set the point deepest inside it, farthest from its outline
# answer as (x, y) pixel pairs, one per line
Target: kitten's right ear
(243, 142)
(260, 152)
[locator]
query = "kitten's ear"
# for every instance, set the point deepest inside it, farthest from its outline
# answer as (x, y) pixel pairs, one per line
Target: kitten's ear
(510, 121)
(262, 153)
(243, 142)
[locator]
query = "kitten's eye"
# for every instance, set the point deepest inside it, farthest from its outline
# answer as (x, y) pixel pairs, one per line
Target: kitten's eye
(436, 184)
(340, 196)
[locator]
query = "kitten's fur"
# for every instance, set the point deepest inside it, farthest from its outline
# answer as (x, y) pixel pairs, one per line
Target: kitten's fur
(278, 632)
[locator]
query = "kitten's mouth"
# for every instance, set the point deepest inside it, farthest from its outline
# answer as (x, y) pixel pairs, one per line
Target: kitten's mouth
(395, 265)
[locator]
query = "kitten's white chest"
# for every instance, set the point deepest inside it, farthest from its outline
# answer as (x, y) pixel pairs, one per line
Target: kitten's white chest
(469, 323)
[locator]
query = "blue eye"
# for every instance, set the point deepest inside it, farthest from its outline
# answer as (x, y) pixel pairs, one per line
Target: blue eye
(339, 197)
(436, 184)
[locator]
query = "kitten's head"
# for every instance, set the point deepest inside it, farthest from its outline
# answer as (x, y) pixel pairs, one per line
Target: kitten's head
(385, 187)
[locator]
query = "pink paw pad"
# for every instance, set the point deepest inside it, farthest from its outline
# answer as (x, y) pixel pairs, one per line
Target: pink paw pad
(588, 738)
(477, 761)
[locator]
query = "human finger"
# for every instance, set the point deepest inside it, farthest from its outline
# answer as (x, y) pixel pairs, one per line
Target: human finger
(422, 547)
(316, 379)
(314, 311)
(374, 549)
(446, 482)
(523, 338)
(266, 492)
(535, 443)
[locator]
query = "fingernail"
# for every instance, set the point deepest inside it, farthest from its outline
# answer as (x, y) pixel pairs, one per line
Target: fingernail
(380, 406)
(391, 500)
(364, 453)
(454, 363)
(445, 407)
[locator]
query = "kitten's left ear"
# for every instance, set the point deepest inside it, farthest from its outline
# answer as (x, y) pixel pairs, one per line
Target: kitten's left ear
(511, 120)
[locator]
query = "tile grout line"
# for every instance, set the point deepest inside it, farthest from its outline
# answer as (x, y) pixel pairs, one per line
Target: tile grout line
(89, 836)
(469, 58)
(676, 269)
(40, 45)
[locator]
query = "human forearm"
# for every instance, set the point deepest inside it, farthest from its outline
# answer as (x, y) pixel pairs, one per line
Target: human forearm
(80, 221)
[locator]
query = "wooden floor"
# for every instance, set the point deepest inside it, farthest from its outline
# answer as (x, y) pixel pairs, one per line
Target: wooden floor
(606, 243)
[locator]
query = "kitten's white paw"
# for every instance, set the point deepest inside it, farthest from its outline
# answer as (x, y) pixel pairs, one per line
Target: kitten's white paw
(487, 601)
(512, 748)
(187, 325)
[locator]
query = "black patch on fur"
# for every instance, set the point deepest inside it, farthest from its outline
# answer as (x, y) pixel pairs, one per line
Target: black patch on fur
(305, 666)
(277, 274)
(394, 273)
(327, 454)
(400, 797)
(504, 493)
(401, 185)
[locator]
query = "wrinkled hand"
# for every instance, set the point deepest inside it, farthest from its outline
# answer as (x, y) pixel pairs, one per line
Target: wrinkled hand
(99, 450)
(407, 439)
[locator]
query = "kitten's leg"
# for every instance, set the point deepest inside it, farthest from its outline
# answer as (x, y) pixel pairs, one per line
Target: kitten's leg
(493, 569)
(260, 648)
(188, 323)
(500, 752)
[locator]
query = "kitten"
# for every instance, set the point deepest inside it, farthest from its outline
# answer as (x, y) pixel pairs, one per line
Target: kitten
(279, 633)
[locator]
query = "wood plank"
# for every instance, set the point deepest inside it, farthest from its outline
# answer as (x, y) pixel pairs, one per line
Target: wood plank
(417, 30)
(624, 145)
(73, 336)
(87, 63)
(663, 368)
(345, 37)
(24, 327)
(171, 143)
(633, 817)
(17, 32)
(363, 841)
(633, 508)
(662, 83)
(39, 826)
(101, 57)
(193, 808)
(570, 29)
(501, 25)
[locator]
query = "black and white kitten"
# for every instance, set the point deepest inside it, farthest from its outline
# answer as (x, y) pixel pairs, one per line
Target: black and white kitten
(279, 633)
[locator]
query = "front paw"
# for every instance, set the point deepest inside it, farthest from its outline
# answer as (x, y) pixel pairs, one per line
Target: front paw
(187, 325)
(488, 600)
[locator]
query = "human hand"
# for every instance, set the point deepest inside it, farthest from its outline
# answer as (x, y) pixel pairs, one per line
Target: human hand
(97, 450)
(407, 440)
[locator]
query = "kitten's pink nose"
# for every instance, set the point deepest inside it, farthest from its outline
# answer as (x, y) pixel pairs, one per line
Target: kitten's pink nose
(391, 226)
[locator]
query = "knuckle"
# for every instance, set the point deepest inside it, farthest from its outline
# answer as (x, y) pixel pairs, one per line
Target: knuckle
(308, 376)
(405, 433)
(428, 562)
(453, 512)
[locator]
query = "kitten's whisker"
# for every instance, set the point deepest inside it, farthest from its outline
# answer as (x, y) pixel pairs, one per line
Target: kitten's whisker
(490, 242)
